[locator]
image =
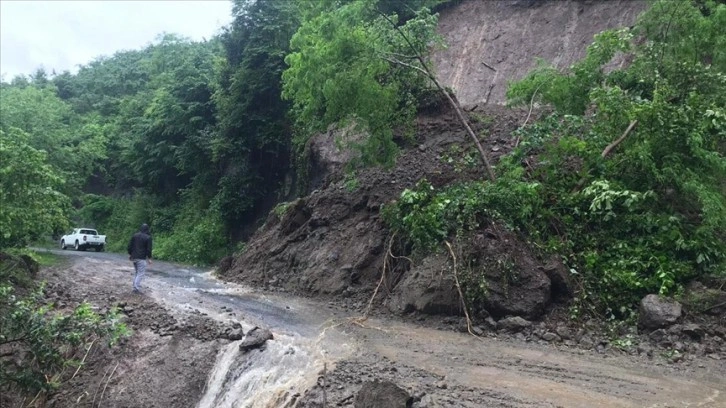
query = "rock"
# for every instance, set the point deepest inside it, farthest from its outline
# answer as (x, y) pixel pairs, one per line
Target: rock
(657, 312)
(586, 342)
(235, 334)
(419, 292)
(379, 394)
(693, 331)
(491, 323)
(477, 330)
(513, 324)
(658, 335)
(427, 401)
(516, 285)
(564, 332)
(225, 264)
(560, 279)
(645, 349)
(549, 336)
(255, 338)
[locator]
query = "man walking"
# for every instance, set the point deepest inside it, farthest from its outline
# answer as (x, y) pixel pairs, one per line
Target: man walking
(139, 250)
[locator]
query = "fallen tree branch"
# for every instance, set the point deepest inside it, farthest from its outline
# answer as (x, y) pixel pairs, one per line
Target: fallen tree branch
(605, 153)
(713, 307)
(380, 282)
(425, 70)
(83, 360)
(489, 66)
(531, 105)
(619, 140)
(104, 387)
(461, 294)
(489, 93)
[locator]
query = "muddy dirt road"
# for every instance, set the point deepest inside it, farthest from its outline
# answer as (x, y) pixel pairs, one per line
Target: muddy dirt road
(184, 352)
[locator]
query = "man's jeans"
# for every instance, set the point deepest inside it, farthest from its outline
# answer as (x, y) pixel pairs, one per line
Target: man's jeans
(140, 266)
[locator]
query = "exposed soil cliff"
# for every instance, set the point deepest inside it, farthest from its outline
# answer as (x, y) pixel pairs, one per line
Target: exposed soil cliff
(493, 42)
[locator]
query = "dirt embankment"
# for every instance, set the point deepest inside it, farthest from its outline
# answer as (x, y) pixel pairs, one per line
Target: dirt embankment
(491, 43)
(333, 241)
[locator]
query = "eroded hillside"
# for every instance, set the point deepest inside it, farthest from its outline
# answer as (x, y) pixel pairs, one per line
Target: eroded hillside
(493, 42)
(334, 242)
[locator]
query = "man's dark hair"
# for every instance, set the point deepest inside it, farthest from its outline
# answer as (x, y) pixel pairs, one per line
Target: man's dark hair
(144, 228)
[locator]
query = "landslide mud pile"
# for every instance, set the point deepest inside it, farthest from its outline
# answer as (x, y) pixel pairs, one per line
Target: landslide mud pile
(333, 241)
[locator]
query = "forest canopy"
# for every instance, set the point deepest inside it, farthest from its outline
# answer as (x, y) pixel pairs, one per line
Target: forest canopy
(199, 138)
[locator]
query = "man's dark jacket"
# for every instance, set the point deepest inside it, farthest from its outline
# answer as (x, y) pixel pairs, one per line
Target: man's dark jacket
(140, 245)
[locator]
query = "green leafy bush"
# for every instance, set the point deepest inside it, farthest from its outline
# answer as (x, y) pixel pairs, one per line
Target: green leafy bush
(39, 343)
(30, 192)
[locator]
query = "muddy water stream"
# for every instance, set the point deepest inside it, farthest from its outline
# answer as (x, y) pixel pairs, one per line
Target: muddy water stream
(278, 373)
(266, 378)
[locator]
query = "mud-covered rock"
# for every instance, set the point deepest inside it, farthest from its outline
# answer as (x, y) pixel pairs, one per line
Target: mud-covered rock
(561, 283)
(656, 312)
(513, 324)
(235, 334)
(428, 288)
(382, 394)
(328, 152)
(515, 283)
(255, 338)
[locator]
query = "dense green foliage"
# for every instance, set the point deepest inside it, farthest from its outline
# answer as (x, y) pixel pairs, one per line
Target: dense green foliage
(41, 345)
(342, 70)
(195, 138)
(648, 215)
(30, 192)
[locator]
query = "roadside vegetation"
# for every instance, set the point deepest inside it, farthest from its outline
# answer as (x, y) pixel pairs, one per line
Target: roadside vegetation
(43, 344)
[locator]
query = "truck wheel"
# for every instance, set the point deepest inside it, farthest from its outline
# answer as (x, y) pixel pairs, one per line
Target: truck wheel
(99, 248)
(63, 244)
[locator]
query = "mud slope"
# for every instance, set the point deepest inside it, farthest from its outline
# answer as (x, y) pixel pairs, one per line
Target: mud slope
(333, 240)
(493, 42)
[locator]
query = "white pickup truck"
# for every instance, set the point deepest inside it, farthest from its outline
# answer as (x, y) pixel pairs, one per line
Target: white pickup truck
(82, 239)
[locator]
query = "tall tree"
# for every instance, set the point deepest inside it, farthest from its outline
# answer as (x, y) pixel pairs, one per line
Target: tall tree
(252, 142)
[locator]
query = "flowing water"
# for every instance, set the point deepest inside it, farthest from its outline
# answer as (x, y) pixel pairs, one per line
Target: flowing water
(272, 377)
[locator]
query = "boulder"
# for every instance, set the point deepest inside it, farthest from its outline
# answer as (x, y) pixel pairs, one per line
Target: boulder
(428, 288)
(513, 324)
(516, 284)
(657, 312)
(255, 338)
(562, 287)
(235, 334)
(382, 394)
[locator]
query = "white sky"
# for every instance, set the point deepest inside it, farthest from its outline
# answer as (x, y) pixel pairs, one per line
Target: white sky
(61, 35)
